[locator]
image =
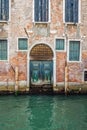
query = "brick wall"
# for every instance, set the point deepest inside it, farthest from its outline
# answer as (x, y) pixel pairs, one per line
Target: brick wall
(21, 25)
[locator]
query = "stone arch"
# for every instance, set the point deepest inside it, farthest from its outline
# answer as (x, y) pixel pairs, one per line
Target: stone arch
(41, 52)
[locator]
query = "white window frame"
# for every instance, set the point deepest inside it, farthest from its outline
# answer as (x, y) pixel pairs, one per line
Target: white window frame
(27, 44)
(79, 13)
(61, 38)
(6, 21)
(80, 55)
(7, 48)
(49, 14)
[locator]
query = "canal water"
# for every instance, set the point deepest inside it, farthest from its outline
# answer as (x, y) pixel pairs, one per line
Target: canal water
(43, 112)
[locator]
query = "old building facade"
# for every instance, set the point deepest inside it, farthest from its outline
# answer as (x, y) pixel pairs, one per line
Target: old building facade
(43, 42)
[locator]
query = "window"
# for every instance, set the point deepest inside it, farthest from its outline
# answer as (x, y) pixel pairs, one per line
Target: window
(22, 44)
(3, 49)
(4, 10)
(59, 44)
(41, 10)
(71, 11)
(85, 75)
(74, 50)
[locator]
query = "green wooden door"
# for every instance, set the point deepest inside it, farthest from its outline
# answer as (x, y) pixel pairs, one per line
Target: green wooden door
(41, 72)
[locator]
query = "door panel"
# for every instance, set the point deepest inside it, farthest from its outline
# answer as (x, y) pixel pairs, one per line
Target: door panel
(41, 72)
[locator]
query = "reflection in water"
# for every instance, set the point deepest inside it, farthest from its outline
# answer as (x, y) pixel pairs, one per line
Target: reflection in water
(43, 113)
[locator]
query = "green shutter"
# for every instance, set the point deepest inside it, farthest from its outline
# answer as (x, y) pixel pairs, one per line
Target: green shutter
(59, 44)
(74, 51)
(71, 11)
(3, 49)
(22, 44)
(41, 10)
(4, 10)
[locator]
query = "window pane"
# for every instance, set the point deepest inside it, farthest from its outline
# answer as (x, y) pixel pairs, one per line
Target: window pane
(74, 50)
(22, 44)
(36, 10)
(3, 49)
(4, 9)
(41, 10)
(59, 44)
(85, 75)
(71, 11)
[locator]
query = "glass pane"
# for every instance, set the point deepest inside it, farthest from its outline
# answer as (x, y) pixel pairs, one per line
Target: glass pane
(74, 50)
(4, 9)
(41, 10)
(22, 44)
(3, 49)
(59, 44)
(71, 11)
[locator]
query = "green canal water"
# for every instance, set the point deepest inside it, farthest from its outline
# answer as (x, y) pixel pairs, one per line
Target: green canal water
(43, 112)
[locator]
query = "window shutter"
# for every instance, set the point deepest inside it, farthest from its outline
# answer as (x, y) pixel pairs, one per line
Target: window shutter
(3, 49)
(74, 50)
(71, 51)
(36, 10)
(67, 10)
(71, 11)
(4, 9)
(77, 50)
(75, 10)
(41, 10)
(22, 44)
(47, 10)
(59, 44)
(7, 9)
(44, 10)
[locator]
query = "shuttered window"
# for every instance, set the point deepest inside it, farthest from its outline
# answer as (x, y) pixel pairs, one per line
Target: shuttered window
(4, 10)
(85, 75)
(41, 10)
(59, 44)
(71, 11)
(22, 44)
(3, 49)
(74, 50)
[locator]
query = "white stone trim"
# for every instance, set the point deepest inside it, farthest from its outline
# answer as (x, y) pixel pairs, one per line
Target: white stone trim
(62, 38)
(49, 10)
(9, 10)
(68, 51)
(54, 62)
(60, 84)
(27, 44)
(5, 83)
(63, 11)
(7, 48)
(49, 13)
(79, 13)
(33, 11)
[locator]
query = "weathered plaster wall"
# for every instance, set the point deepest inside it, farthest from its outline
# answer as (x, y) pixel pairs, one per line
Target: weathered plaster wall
(22, 25)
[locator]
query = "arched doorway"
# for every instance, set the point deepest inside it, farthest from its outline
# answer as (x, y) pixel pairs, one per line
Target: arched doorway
(41, 66)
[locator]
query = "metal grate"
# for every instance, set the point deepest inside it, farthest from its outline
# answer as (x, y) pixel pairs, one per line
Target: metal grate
(41, 52)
